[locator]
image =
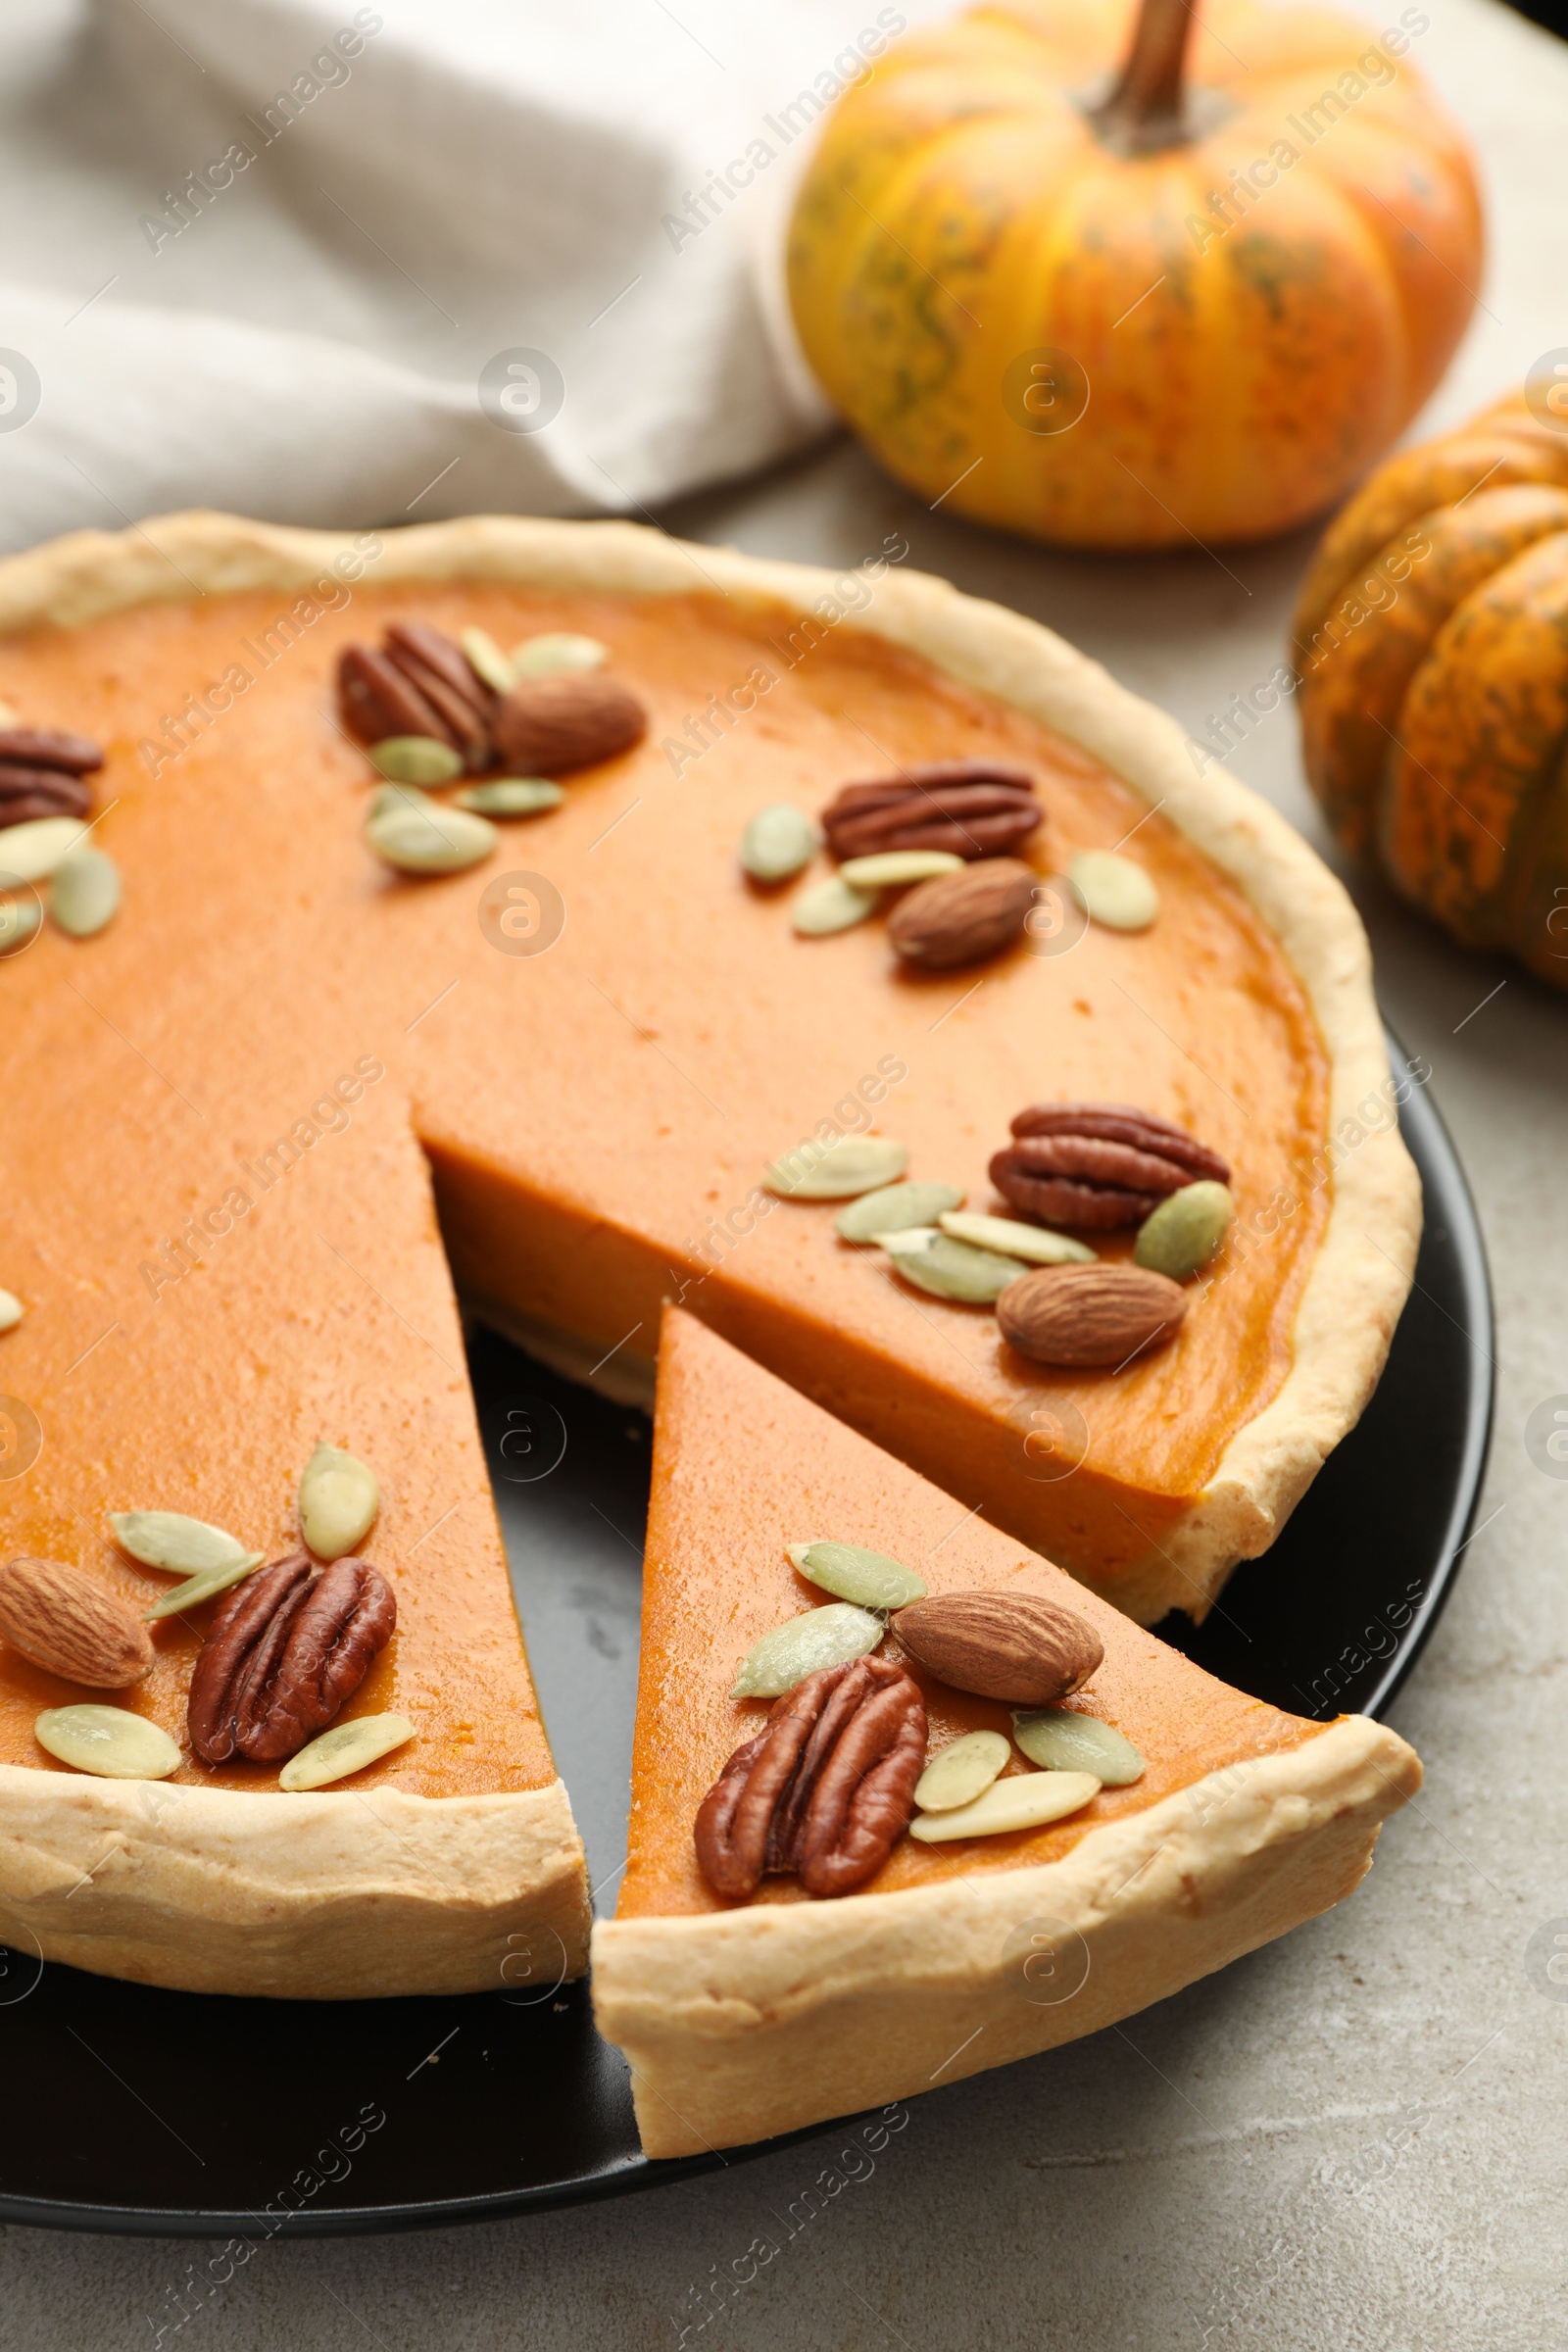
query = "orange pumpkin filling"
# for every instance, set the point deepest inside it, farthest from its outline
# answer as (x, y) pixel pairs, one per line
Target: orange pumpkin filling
(221, 1110)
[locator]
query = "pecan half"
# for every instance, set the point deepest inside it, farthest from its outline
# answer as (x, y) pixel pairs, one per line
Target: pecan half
(966, 807)
(1098, 1164)
(418, 683)
(284, 1654)
(49, 747)
(827, 1788)
(41, 792)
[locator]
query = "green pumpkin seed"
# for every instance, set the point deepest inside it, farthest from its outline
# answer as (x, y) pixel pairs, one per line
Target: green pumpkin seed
(10, 1311)
(802, 1646)
(1036, 1244)
(31, 852)
(556, 650)
(886, 869)
(1112, 891)
(871, 1579)
(429, 840)
(19, 918)
(347, 1747)
(951, 1269)
(109, 1741)
(837, 1170)
(1063, 1742)
(206, 1587)
(831, 907)
(416, 759)
(896, 1208)
(777, 843)
(339, 1499)
(84, 893)
(168, 1540)
(961, 1771)
(1184, 1232)
(487, 660)
(511, 796)
(1024, 1800)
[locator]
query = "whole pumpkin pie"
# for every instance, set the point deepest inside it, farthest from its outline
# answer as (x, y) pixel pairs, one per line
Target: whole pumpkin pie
(236, 1113)
(742, 2017)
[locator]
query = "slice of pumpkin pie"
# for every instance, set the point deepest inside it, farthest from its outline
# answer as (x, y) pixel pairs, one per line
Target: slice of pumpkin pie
(962, 1811)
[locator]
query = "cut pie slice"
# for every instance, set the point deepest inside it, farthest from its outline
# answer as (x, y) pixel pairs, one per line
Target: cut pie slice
(743, 2019)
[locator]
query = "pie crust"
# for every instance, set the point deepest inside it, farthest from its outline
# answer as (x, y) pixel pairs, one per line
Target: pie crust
(223, 1889)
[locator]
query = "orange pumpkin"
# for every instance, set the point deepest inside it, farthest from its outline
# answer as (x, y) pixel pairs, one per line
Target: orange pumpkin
(1196, 306)
(1431, 650)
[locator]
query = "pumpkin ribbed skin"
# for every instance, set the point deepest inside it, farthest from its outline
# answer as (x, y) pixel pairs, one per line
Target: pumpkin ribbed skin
(963, 212)
(1432, 645)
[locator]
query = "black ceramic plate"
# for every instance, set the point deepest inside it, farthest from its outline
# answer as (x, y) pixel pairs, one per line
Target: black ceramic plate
(182, 2114)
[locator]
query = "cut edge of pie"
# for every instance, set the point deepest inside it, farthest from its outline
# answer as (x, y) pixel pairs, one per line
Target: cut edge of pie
(743, 2021)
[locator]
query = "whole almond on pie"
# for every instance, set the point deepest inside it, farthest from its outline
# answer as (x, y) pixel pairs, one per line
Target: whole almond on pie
(1090, 1315)
(569, 720)
(958, 918)
(1009, 1645)
(69, 1623)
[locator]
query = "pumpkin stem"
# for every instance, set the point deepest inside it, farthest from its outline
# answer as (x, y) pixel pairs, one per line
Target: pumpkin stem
(1148, 108)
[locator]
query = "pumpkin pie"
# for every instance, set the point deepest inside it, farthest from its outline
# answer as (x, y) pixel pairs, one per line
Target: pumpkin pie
(237, 1115)
(741, 2018)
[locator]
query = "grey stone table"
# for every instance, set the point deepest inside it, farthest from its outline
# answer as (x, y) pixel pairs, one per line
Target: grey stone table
(1355, 2139)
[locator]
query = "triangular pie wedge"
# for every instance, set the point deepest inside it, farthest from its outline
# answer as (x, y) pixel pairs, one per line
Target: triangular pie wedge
(744, 2020)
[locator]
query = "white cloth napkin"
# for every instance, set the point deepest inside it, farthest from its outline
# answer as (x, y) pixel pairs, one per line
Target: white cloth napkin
(335, 264)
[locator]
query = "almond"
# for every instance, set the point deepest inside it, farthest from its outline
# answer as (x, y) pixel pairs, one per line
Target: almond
(567, 720)
(1007, 1645)
(958, 918)
(1099, 1314)
(71, 1624)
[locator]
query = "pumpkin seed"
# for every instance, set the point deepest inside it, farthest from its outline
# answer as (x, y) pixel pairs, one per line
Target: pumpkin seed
(339, 1499)
(961, 1771)
(556, 650)
(1035, 1243)
(10, 1311)
(778, 842)
(347, 1747)
(887, 867)
(19, 918)
(84, 893)
(109, 1741)
(871, 1579)
(837, 1170)
(433, 840)
(168, 1540)
(511, 796)
(951, 1269)
(1112, 891)
(802, 1646)
(31, 852)
(416, 759)
(1184, 1232)
(487, 660)
(1024, 1800)
(896, 1208)
(830, 907)
(1063, 1742)
(206, 1587)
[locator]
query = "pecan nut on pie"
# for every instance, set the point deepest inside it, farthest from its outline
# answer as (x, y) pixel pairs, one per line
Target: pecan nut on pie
(347, 993)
